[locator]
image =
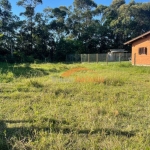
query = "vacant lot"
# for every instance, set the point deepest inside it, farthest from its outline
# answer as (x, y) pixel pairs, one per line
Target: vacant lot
(74, 106)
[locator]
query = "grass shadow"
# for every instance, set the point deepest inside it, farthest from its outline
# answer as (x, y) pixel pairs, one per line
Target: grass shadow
(107, 132)
(23, 71)
(3, 144)
(7, 133)
(27, 71)
(25, 133)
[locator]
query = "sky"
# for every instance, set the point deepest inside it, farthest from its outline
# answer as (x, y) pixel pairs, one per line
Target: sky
(56, 3)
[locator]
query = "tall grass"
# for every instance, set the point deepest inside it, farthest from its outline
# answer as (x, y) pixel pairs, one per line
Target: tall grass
(100, 107)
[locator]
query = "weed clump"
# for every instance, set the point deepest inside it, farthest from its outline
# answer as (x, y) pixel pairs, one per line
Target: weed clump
(6, 77)
(35, 83)
(114, 82)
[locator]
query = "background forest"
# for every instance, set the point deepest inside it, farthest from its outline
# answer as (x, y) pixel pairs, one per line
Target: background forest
(83, 27)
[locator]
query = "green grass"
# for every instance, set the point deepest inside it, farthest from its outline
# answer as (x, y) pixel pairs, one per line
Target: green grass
(100, 108)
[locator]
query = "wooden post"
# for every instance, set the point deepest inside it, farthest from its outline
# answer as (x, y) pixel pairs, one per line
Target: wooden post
(107, 58)
(97, 58)
(88, 57)
(120, 57)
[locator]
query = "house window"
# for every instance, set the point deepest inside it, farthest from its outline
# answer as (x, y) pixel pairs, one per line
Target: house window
(143, 50)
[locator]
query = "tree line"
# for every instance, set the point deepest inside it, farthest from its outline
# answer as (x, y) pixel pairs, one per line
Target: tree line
(83, 27)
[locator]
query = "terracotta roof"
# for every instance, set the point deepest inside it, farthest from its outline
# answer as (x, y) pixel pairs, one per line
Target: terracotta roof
(137, 38)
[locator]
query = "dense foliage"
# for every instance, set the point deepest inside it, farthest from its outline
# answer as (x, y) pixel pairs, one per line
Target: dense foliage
(84, 27)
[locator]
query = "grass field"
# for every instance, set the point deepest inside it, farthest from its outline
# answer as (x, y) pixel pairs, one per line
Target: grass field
(89, 106)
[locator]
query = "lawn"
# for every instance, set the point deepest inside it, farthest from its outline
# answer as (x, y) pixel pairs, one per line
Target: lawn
(80, 106)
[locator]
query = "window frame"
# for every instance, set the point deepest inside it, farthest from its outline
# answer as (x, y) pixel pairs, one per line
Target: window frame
(143, 51)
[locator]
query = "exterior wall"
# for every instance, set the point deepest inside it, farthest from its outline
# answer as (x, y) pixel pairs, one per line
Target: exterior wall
(142, 59)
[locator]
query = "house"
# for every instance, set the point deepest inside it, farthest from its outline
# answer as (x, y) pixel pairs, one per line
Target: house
(140, 49)
(117, 55)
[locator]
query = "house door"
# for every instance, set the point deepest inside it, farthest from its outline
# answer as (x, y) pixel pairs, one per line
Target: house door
(134, 59)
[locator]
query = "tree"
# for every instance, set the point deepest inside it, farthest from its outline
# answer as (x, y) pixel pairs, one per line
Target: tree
(140, 18)
(83, 27)
(29, 6)
(44, 40)
(57, 24)
(8, 26)
(1, 35)
(113, 22)
(79, 20)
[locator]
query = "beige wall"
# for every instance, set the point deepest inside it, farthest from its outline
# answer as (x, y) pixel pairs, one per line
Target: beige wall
(141, 59)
